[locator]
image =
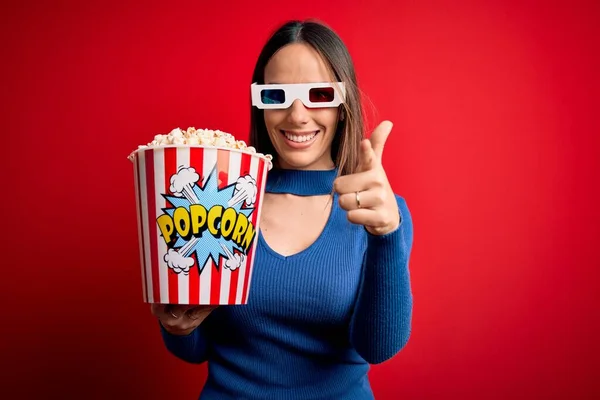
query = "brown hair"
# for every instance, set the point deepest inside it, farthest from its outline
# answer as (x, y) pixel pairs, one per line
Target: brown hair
(350, 131)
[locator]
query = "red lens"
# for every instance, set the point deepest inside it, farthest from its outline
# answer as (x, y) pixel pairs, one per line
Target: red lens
(321, 95)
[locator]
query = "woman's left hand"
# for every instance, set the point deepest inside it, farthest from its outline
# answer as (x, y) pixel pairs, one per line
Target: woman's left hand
(367, 194)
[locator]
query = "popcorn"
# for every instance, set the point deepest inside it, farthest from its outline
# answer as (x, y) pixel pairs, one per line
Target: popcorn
(203, 137)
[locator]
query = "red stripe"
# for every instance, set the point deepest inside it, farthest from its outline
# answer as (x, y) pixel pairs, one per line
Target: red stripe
(223, 167)
(141, 216)
(223, 176)
(196, 160)
(259, 178)
(245, 164)
(235, 275)
(170, 170)
(215, 282)
(149, 154)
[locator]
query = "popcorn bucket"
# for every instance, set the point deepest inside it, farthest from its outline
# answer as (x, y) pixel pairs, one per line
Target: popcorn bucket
(198, 212)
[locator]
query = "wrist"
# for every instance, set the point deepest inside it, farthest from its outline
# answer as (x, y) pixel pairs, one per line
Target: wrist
(386, 229)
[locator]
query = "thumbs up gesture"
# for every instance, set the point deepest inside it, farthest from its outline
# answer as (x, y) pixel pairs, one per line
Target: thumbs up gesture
(367, 195)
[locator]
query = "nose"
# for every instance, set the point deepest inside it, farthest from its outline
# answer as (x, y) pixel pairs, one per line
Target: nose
(297, 113)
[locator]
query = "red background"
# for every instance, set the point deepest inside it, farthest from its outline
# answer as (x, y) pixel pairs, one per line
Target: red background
(495, 147)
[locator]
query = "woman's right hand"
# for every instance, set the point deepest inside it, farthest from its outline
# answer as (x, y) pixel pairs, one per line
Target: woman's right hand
(180, 319)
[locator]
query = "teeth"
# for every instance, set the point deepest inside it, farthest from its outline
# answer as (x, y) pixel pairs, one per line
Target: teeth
(299, 139)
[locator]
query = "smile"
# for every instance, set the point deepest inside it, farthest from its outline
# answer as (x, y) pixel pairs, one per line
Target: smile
(299, 137)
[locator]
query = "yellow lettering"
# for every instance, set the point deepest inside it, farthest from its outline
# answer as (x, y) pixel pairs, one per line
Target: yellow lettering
(248, 237)
(218, 221)
(240, 227)
(198, 219)
(228, 223)
(214, 217)
(181, 219)
(165, 224)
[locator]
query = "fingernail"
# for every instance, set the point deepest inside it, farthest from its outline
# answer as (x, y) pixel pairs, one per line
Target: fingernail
(170, 311)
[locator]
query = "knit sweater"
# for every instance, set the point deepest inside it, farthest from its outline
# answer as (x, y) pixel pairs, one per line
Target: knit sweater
(314, 320)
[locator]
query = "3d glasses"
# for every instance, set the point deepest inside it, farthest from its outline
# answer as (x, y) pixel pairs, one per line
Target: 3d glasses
(279, 96)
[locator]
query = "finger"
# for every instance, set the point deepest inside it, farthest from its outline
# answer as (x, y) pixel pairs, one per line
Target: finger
(199, 312)
(366, 217)
(379, 137)
(157, 309)
(352, 183)
(169, 311)
(366, 156)
(180, 310)
(163, 313)
(367, 199)
(180, 326)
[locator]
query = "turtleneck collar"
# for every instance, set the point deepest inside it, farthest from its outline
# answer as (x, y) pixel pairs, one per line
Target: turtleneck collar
(301, 182)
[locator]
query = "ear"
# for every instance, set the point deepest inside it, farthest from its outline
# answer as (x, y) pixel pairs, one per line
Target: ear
(342, 114)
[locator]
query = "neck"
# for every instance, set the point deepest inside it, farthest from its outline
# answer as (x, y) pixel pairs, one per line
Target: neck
(301, 182)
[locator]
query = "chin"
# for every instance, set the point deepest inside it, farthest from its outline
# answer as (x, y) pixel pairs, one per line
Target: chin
(302, 161)
(314, 154)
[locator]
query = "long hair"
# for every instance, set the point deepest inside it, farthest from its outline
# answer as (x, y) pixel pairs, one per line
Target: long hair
(346, 143)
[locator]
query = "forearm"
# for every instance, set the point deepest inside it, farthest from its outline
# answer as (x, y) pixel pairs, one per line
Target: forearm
(381, 323)
(191, 348)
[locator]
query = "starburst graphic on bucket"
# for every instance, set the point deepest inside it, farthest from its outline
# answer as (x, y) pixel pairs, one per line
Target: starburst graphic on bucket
(207, 221)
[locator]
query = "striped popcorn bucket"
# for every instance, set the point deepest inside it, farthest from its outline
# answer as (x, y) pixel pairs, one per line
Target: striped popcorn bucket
(198, 212)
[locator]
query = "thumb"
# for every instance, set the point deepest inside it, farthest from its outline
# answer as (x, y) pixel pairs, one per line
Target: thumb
(379, 137)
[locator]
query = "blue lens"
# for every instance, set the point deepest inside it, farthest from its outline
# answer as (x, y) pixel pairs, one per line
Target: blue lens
(272, 96)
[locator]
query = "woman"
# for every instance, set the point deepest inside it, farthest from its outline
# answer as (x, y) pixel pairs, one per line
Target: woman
(331, 290)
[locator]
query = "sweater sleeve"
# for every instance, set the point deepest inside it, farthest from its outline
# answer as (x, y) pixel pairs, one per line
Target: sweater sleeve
(381, 323)
(192, 348)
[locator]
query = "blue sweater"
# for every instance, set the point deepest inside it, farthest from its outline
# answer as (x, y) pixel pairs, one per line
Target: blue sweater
(314, 320)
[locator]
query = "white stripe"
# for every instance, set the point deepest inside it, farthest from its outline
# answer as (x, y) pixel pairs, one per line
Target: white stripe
(235, 163)
(205, 282)
(183, 159)
(139, 223)
(240, 289)
(159, 189)
(256, 225)
(209, 161)
(145, 227)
